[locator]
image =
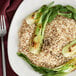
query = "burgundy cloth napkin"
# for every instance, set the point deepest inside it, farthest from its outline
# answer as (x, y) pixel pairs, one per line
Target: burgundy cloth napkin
(8, 8)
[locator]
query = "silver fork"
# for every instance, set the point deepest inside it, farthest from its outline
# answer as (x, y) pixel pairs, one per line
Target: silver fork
(2, 34)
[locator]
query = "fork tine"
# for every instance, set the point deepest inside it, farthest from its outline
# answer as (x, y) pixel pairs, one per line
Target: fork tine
(0, 27)
(4, 22)
(1, 22)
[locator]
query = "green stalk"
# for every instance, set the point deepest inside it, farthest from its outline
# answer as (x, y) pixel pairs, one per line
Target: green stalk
(42, 9)
(39, 12)
(58, 71)
(67, 67)
(38, 39)
(70, 49)
(72, 9)
(68, 15)
(41, 23)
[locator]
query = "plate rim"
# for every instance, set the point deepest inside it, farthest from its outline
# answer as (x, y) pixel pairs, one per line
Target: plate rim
(10, 63)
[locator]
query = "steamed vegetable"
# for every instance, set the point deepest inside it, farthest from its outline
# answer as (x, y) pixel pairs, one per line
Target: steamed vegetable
(29, 19)
(68, 66)
(69, 15)
(39, 34)
(55, 74)
(58, 71)
(42, 17)
(41, 23)
(70, 49)
(72, 9)
(42, 70)
(41, 10)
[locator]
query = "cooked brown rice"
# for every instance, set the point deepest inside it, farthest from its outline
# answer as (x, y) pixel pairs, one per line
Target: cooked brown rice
(57, 34)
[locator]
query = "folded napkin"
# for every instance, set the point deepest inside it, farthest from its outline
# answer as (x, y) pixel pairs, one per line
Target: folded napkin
(8, 8)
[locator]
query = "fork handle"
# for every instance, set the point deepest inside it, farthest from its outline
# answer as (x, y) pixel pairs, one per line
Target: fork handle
(3, 58)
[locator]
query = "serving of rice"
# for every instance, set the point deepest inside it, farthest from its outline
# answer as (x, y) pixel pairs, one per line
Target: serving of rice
(58, 33)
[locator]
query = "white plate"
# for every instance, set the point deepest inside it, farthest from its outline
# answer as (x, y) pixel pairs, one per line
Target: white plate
(26, 7)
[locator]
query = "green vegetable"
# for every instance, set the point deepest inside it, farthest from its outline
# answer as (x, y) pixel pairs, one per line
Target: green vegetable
(50, 5)
(63, 9)
(44, 71)
(38, 39)
(42, 9)
(70, 49)
(54, 12)
(39, 31)
(39, 24)
(58, 71)
(45, 15)
(68, 15)
(74, 16)
(41, 70)
(68, 66)
(72, 9)
(53, 15)
(55, 74)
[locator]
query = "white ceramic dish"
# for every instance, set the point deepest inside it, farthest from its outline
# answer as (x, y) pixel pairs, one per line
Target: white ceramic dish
(28, 6)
